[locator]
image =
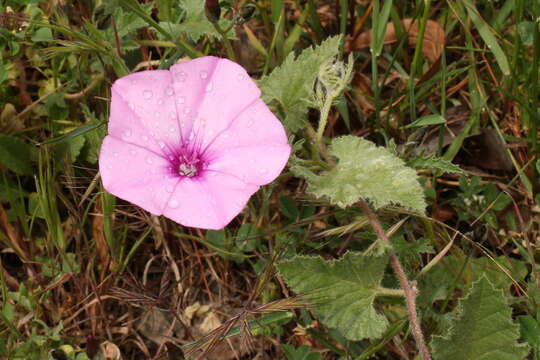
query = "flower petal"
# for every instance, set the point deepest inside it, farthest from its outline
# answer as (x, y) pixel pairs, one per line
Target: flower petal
(255, 164)
(143, 111)
(136, 174)
(210, 201)
(254, 147)
(215, 91)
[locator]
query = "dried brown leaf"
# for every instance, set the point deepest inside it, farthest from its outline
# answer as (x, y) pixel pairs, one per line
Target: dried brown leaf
(434, 38)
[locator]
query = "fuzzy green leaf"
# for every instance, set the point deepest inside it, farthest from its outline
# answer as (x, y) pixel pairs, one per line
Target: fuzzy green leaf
(366, 171)
(483, 329)
(434, 163)
(16, 155)
(195, 23)
(343, 291)
(291, 84)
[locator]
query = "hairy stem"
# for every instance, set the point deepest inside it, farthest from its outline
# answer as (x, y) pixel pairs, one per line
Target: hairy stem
(409, 288)
(325, 111)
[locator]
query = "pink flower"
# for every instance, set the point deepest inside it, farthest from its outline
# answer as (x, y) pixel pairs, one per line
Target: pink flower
(192, 143)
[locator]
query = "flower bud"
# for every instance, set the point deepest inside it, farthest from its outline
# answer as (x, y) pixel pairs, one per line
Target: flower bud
(213, 10)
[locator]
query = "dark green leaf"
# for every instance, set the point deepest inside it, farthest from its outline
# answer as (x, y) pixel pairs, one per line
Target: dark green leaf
(16, 155)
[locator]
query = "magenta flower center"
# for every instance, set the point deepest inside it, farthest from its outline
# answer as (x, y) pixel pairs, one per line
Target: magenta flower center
(188, 166)
(186, 161)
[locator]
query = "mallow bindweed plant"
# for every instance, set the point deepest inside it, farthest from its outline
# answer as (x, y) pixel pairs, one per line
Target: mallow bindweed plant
(195, 142)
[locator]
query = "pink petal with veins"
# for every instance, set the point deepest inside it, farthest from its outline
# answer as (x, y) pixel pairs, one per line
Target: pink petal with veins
(193, 143)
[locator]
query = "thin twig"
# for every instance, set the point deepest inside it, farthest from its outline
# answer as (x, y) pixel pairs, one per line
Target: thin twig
(411, 292)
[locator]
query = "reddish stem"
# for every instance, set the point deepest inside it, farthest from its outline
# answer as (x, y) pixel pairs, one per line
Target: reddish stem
(409, 288)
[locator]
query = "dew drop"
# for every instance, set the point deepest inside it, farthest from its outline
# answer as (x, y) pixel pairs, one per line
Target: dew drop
(181, 100)
(157, 114)
(187, 110)
(133, 152)
(250, 123)
(210, 86)
(132, 106)
(171, 157)
(145, 138)
(149, 160)
(161, 144)
(172, 129)
(181, 76)
(263, 170)
(127, 133)
(204, 74)
(147, 94)
(133, 81)
(240, 77)
(169, 188)
(160, 101)
(115, 154)
(173, 204)
(169, 91)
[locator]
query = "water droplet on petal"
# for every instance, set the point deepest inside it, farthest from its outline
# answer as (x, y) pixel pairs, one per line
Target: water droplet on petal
(147, 94)
(173, 204)
(127, 133)
(263, 170)
(187, 110)
(160, 101)
(161, 144)
(181, 76)
(181, 100)
(133, 81)
(133, 152)
(171, 157)
(149, 160)
(240, 77)
(204, 74)
(157, 114)
(145, 138)
(172, 129)
(109, 166)
(132, 106)
(169, 188)
(210, 86)
(115, 154)
(169, 91)
(250, 123)
(172, 115)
